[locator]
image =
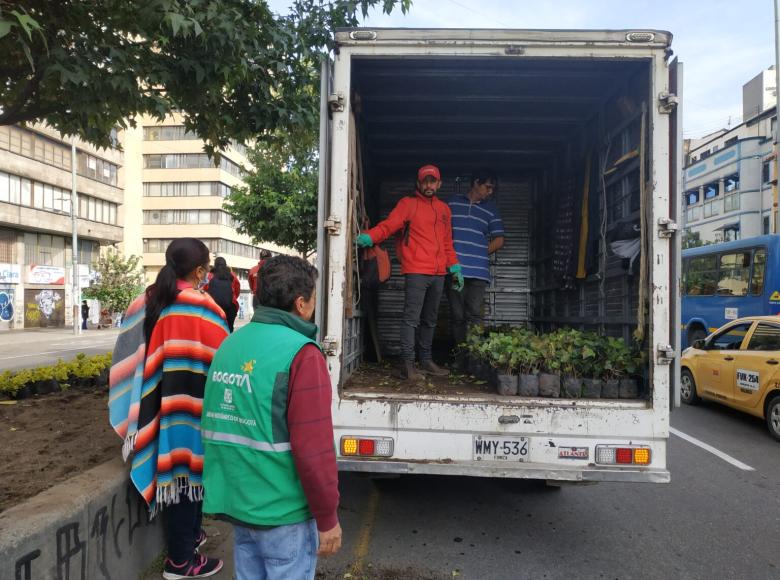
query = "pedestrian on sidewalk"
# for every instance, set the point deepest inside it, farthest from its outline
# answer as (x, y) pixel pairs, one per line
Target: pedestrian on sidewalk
(255, 272)
(224, 288)
(158, 374)
(270, 462)
(84, 314)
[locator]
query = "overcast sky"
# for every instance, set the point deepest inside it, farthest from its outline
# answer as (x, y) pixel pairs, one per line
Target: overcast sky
(723, 43)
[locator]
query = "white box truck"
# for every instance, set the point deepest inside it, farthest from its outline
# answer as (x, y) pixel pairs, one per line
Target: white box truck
(582, 128)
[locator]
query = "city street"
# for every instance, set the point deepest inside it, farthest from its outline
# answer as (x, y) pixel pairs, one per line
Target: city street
(31, 348)
(717, 519)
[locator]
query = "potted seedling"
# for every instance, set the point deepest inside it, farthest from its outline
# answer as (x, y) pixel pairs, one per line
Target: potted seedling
(620, 363)
(502, 359)
(528, 361)
(593, 366)
(550, 379)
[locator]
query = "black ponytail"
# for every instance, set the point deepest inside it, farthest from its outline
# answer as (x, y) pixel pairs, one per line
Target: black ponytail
(182, 257)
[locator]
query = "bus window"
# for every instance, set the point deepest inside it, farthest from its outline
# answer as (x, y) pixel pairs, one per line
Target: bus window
(759, 270)
(701, 276)
(734, 274)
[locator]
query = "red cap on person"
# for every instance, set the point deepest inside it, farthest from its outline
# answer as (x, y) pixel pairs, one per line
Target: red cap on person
(428, 171)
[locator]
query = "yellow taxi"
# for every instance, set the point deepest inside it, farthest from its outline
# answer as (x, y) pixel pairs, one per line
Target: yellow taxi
(737, 365)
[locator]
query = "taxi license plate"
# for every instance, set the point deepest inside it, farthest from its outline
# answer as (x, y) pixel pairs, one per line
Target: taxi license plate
(500, 448)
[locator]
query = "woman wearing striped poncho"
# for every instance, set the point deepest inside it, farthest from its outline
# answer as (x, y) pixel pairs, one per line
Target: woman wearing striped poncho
(169, 336)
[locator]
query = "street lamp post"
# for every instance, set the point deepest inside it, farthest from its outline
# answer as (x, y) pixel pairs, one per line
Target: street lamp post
(74, 246)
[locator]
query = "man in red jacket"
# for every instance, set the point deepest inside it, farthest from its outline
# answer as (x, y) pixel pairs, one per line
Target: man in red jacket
(426, 253)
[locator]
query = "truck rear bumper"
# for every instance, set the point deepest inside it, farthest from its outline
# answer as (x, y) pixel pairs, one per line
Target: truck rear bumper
(517, 471)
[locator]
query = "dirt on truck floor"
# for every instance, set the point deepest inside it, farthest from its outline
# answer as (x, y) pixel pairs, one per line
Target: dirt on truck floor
(384, 377)
(47, 439)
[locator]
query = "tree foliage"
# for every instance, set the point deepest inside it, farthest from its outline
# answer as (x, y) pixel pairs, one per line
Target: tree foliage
(119, 281)
(279, 203)
(235, 69)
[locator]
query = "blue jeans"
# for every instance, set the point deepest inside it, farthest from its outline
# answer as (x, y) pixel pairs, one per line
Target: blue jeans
(281, 553)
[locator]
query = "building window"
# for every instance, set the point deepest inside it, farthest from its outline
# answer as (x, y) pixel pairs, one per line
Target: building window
(215, 245)
(693, 214)
(169, 133)
(731, 202)
(89, 251)
(731, 182)
(44, 249)
(766, 172)
(7, 246)
(186, 189)
(188, 217)
(191, 161)
(711, 190)
(765, 225)
(731, 234)
(30, 144)
(692, 197)
(711, 208)
(96, 168)
(730, 141)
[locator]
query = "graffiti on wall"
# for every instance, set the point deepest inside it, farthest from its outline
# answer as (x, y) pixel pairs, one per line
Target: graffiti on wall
(111, 536)
(44, 308)
(6, 305)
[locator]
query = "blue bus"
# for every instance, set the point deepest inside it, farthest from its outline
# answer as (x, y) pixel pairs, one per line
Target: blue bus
(725, 281)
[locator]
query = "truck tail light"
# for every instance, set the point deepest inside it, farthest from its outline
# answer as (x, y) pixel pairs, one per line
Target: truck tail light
(366, 446)
(622, 455)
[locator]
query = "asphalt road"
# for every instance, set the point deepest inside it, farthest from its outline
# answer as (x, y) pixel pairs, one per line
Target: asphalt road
(715, 520)
(24, 349)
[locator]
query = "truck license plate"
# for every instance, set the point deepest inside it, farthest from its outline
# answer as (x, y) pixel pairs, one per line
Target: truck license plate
(488, 448)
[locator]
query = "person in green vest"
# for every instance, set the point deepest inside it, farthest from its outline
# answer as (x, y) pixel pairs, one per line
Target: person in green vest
(269, 454)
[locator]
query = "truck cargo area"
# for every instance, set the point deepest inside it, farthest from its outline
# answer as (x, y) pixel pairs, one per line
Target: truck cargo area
(570, 141)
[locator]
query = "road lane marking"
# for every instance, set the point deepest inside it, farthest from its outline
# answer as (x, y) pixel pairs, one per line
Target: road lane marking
(724, 456)
(366, 529)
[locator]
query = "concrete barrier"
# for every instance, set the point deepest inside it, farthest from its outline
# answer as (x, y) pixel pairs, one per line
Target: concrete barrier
(93, 526)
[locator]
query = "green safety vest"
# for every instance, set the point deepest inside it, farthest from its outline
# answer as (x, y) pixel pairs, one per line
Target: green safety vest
(249, 473)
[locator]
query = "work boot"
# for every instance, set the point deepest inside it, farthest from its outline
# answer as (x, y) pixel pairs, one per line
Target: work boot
(408, 372)
(430, 367)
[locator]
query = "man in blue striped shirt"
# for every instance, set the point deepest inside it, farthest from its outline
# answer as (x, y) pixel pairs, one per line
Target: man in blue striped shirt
(477, 232)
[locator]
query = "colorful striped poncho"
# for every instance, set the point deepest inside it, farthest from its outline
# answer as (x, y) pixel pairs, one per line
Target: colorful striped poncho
(156, 394)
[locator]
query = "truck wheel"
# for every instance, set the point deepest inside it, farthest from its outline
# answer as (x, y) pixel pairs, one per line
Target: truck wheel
(688, 388)
(773, 417)
(696, 333)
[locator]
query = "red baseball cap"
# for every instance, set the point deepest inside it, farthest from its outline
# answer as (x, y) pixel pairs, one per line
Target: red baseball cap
(428, 171)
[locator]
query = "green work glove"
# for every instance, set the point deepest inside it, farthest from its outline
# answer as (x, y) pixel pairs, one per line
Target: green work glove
(364, 241)
(457, 277)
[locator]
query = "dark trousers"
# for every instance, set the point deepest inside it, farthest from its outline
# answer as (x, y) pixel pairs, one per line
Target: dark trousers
(465, 306)
(230, 314)
(422, 295)
(183, 522)
(83, 324)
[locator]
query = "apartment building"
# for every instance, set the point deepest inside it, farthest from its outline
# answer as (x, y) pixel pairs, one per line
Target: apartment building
(173, 190)
(729, 176)
(35, 222)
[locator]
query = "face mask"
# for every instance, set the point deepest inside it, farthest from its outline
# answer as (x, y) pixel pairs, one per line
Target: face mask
(202, 282)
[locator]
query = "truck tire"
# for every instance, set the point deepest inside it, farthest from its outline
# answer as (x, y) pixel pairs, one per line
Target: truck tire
(773, 417)
(688, 388)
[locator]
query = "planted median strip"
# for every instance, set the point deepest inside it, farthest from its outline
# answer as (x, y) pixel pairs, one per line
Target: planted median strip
(81, 372)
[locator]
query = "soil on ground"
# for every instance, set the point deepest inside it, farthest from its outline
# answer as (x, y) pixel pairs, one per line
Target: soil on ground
(385, 378)
(47, 439)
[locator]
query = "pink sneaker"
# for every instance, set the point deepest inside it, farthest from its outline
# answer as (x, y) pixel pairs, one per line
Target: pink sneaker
(199, 567)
